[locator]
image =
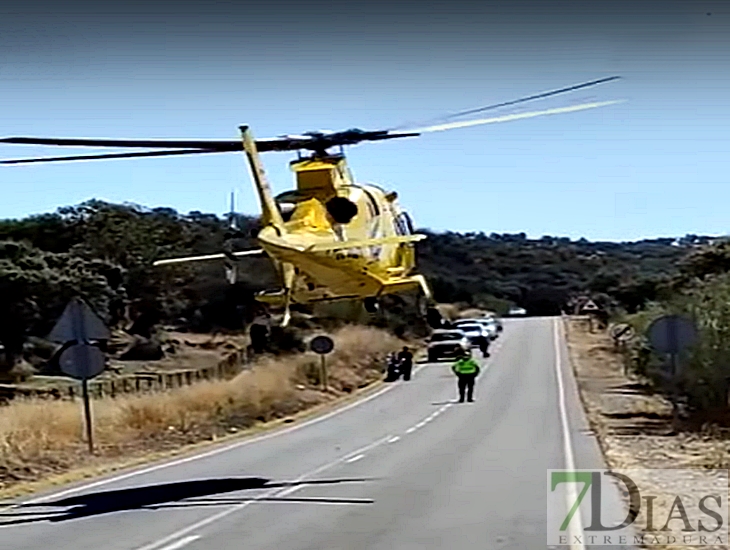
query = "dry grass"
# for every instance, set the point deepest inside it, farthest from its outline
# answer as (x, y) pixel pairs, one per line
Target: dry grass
(449, 312)
(472, 313)
(452, 312)
(40, 437)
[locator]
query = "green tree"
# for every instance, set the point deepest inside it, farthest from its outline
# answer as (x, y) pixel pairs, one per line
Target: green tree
(704, 261)
(35, 287)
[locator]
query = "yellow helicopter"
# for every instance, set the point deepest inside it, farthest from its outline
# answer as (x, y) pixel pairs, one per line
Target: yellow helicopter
(330, 239)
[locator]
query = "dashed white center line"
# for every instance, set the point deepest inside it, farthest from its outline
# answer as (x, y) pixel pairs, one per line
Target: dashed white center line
(394, 439)
(181, 543)
(426, 420)
(160, 544)
(355, 458)
(434, 414)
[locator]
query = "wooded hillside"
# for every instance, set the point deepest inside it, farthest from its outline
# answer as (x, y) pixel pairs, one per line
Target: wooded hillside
(104, 251)
(541, 275)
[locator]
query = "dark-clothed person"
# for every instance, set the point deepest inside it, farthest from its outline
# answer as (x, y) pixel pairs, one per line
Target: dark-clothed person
(405, 362)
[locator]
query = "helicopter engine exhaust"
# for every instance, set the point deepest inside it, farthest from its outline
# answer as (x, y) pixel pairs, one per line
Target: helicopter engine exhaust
(341, 209)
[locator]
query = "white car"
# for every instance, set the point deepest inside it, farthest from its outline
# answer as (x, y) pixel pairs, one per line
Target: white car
(517, 311)
(488, 325)
(474, 332)
(447, 343)
(492, 329)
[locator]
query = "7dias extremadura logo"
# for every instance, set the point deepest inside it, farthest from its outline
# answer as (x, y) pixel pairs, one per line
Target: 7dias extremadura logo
(637, 507)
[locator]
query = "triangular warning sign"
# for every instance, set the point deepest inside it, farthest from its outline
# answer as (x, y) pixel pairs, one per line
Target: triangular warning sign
(590, 305)
(78, 323)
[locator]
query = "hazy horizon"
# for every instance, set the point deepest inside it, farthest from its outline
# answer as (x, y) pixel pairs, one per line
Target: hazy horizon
(222, 215)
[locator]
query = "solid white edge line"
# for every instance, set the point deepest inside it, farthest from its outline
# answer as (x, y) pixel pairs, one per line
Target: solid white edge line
(182, 542)
(354, 458)
(572, 495)
(213, 452)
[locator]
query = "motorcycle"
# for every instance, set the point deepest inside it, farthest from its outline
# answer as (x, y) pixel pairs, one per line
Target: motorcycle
(393, 368)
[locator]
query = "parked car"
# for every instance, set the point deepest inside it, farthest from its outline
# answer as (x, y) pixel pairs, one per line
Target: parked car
(487, 323)
(492, 329)
(474, 332)
(517, 312)
(447, 344)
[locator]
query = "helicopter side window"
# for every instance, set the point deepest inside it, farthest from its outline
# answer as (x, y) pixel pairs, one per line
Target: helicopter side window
(403, 224)
(408, 223)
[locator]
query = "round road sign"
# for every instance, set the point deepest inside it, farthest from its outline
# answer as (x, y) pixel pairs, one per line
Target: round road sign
(82, 361)
(322, 345)
(622, 332)
(672, 334)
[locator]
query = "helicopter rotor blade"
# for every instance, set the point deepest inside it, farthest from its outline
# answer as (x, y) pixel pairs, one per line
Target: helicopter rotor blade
(534, 97)
(111, 156)
(222, 145)
(542, 95)
(515, 116)
(317, 142)
(314, 143)
(206, 257)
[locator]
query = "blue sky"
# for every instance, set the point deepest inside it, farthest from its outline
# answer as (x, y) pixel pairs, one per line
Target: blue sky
(657, 165)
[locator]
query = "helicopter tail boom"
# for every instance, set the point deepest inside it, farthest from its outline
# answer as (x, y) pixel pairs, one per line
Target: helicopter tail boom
(270, 213)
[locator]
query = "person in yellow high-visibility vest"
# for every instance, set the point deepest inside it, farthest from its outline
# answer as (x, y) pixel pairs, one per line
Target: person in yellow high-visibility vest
(466, 370)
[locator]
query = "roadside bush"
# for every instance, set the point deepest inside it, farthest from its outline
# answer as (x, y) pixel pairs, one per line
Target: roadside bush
(706, 366)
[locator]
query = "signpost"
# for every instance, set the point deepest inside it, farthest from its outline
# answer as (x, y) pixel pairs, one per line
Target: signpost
(591, 309)
(322, 345)
(78, 326)
(621, 333)
(672, 334)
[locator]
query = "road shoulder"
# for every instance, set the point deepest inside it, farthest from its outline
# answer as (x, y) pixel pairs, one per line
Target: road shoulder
(632, 425)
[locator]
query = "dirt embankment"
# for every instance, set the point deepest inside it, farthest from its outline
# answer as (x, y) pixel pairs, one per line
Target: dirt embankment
(41, 439)
(634, 426)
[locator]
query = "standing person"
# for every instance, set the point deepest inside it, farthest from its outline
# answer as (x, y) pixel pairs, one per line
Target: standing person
(484, 346)
(405, 360)
(392, 374)
(466, 370)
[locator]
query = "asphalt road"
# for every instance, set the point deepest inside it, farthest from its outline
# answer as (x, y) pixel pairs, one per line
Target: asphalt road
(408, 468)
